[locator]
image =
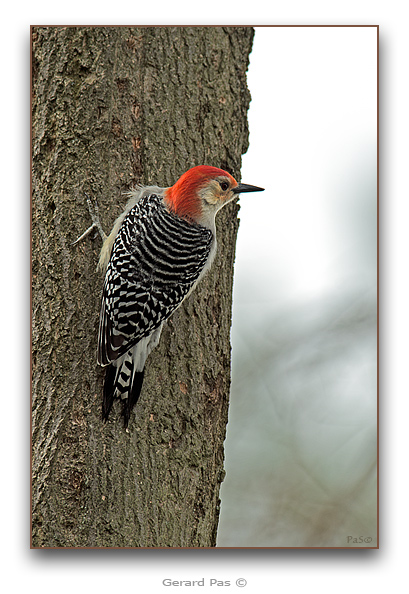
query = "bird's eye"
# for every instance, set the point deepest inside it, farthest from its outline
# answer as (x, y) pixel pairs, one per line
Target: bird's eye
(224, 186)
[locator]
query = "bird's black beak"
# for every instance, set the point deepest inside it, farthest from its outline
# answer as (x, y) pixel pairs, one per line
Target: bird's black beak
(246, 188)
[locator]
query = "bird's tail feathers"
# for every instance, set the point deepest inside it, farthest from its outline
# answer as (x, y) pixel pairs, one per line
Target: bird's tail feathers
(124, 377)
(124, 382)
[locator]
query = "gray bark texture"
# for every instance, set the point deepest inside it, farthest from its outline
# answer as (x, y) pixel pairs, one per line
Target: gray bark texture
(112, 107)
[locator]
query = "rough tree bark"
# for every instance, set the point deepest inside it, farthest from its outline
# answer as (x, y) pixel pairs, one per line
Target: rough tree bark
(115, 106)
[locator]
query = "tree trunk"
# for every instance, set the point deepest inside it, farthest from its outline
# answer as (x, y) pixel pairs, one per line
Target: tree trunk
(112, 107)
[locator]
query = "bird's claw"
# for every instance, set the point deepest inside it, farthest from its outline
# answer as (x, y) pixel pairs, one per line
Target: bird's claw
(96, 223)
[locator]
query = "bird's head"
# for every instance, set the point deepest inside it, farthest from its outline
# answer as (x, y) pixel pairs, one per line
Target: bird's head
(202, 191)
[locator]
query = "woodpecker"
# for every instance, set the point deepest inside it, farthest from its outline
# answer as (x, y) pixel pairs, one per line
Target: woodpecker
(158, 250)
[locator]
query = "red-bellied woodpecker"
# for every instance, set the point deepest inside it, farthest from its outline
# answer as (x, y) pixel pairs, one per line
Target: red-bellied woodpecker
(157, 252)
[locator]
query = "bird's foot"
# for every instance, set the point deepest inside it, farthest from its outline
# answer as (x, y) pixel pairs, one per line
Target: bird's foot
(96, 223)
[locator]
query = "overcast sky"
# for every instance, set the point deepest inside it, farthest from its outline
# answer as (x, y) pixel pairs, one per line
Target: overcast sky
(304, 306)
(313, 140)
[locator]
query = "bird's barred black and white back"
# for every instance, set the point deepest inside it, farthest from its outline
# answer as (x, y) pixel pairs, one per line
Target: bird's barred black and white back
(156, 260)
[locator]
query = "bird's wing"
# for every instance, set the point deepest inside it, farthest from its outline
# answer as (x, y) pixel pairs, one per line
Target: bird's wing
(156, 259)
